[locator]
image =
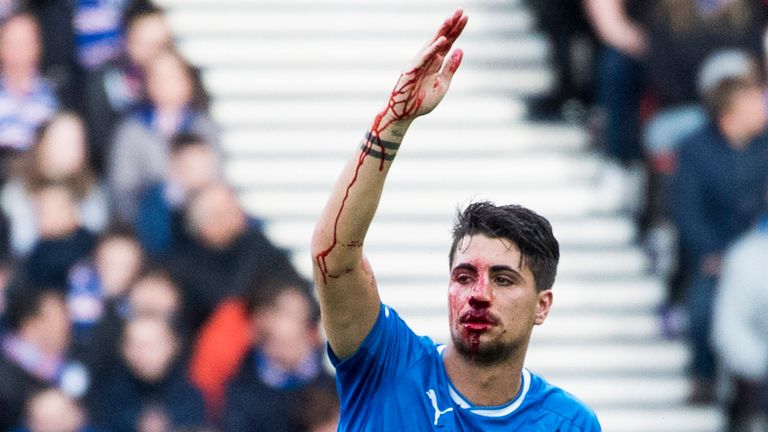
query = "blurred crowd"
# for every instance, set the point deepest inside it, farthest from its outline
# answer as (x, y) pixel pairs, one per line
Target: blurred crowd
(674, 94)
(136, 294)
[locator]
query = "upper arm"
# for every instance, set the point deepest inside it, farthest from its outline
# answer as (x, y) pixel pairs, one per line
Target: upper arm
(349, 302)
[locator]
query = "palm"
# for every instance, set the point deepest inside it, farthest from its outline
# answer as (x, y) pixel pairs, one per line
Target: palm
(424, 85)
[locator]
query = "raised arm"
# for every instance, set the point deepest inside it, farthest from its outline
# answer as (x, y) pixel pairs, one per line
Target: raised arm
(349, 298)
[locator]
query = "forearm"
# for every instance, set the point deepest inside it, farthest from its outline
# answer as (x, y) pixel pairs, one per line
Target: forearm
(342, 227)
(614, 28)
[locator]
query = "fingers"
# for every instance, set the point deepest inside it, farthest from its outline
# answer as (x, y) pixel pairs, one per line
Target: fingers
(449, 24)
(452, 28)
(427, 56)
(450, 66)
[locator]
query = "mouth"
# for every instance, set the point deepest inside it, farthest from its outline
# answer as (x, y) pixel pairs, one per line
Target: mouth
(477, 321)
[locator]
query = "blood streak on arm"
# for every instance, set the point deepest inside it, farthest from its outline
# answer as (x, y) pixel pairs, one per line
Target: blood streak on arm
(402, 104)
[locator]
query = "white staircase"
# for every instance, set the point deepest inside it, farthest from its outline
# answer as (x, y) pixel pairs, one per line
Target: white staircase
(297, 82)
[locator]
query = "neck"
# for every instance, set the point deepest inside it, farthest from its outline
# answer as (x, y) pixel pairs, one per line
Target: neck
(46, 348)
(735, 138)
(18, 80)
(484, 384)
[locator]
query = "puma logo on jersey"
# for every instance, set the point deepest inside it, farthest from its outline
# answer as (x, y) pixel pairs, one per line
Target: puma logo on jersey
(433, 397)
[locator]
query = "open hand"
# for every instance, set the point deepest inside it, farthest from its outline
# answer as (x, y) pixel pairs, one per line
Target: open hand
(421, 88)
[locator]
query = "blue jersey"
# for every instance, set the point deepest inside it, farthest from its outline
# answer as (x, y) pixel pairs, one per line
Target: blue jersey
(396, 381)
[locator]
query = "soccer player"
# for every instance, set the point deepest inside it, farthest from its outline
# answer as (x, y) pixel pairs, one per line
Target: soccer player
(502, 266)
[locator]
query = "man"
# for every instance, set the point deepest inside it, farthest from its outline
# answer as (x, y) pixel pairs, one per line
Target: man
(717, 195)
(502, 265)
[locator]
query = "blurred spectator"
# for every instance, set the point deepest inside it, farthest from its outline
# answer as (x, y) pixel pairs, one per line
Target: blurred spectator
(156, 295)
(58, 155)
(153, 294)
(620, 84)
(194, 164)
(119, 87)
(52, 410)
(718, 194)
(573, 43)
(63, 240)
(227, 336)
(80, 35)
(149, 390)
(26, 99)
(265, 394)
(740, 327)
(141, 147)
(32, 354)
(682, 34)
(95, 284)
(226, 250)
(663, 237)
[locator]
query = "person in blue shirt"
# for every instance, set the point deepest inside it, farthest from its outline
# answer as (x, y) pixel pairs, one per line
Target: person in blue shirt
(503, 263)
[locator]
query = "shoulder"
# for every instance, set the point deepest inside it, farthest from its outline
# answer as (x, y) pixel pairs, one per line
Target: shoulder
(749, 250)
(555, 401)
(704, 138)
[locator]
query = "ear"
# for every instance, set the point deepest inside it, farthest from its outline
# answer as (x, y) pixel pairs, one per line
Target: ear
(543, 305)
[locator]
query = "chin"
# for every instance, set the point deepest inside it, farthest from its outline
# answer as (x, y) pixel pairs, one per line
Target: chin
(479, 349)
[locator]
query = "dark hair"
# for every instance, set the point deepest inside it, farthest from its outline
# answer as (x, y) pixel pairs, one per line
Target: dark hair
(24, 302)
(721, 98)
(199, 98)
(138, 10)
(184, 140)
(119, 230)
(263, 292)
(529, 231)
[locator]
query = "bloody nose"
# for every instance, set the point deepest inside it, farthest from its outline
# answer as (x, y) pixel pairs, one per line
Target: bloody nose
(479, 303)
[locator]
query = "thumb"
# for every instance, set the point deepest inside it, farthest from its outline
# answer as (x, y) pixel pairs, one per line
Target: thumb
(450, 66)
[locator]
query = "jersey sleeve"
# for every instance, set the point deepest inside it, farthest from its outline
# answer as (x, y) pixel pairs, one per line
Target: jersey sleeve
(388, 350)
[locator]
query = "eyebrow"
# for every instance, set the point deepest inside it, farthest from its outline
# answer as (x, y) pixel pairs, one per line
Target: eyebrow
(494, 269)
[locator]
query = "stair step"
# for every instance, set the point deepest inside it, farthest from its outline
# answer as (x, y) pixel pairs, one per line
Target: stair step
(423, 140)
(335, 82)
(374, 51)
(409, 172)
(607, 358)
(561, 201)
(357, 113)
(670, 419)
(285, 22)
(304, 5)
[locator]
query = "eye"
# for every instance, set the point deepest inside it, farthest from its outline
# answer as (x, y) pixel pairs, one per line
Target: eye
(464, 279)
(502, 280)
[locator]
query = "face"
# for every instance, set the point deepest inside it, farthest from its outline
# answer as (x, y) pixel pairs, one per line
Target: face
(194, 167)
(147, 37)
(118, 261)
(493, 300)
(20, 44)
(149, 348)
(53, 411)
(218, 217)
(169, 83)
(748, 110)
(154, 297)
(50, 327)
(62, 150)
(288, 339)
(56, 212)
